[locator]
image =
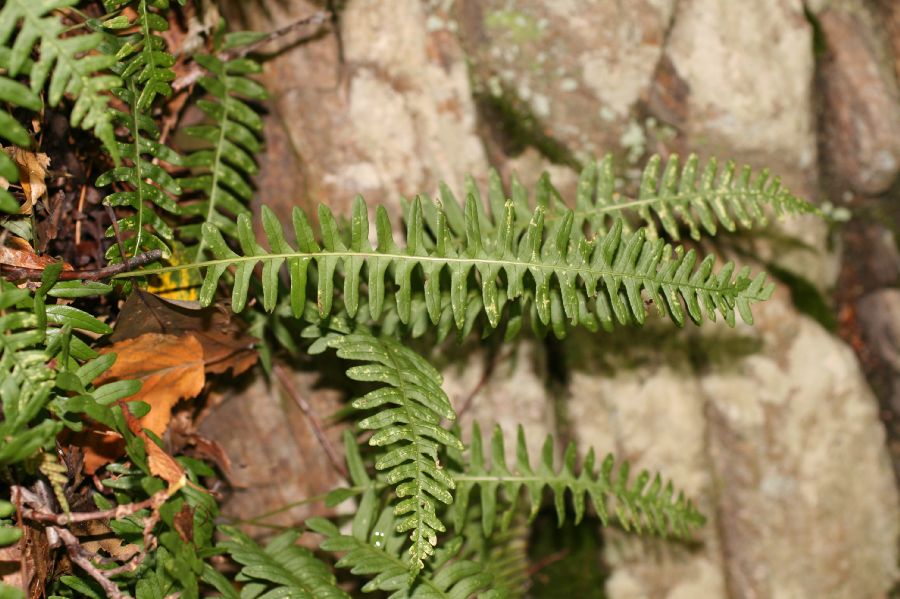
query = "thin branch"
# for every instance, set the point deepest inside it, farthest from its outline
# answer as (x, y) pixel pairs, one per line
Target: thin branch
(18, 273)
(120, 511)
(78, 555)
(307, 410)
(196, 71)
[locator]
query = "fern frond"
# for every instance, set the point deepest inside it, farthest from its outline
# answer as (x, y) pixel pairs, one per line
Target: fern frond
(698, 198)
(643, 505)
(555, 272)
(374, 548)
(281, 569)
(407, 422)
(143, 58)
(231, 139)
(71, 63)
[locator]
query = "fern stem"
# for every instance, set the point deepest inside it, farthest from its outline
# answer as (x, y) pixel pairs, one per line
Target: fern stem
(214, 184)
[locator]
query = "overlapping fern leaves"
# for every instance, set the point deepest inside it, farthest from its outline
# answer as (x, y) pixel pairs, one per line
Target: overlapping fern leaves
(641, 505)
(553, 270)
(72, 65)
(374, 549)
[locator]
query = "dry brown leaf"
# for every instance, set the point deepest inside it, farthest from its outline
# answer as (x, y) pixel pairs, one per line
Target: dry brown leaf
(225, 344)
(170, 368)
(32, 174)
(161, 464)
(19, 253)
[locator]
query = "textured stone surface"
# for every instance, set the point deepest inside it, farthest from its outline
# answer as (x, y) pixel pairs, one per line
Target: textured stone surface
(578, 68)
(861, 101)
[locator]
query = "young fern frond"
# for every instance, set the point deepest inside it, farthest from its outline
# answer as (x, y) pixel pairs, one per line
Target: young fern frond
(686, 195)
(224, 166)
(569, 278)
(143, 58)
(642, 505)
(281, 569)
(407, 421)
(71, 64)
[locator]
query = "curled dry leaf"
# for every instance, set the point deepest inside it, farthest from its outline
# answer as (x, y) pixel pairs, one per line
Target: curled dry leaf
(19, 253)
(32, 174)
(161, 464)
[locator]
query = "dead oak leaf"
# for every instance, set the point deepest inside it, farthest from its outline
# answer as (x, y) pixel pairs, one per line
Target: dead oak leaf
(19, 253)
(169, 367)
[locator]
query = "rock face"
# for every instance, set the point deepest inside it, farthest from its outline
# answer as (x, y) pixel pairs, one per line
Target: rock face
(772, 429)
(861, 100)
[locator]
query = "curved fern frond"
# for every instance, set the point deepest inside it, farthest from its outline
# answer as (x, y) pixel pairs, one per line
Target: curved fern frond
(555, 272)
(646, 504)
(281, 569)
(698, 198)
(231, 139)
(410, 407)
(71, 63)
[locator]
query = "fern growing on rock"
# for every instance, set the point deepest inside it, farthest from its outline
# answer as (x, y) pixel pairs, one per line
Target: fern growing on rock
(433, 516)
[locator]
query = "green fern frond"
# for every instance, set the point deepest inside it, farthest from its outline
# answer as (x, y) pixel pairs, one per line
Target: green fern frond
(643, 505)
(374, 548)
(72, 65)
(281, 569)
(407, 422)
(143, 59)
(566, 276)
(223, 167)
(677, 194)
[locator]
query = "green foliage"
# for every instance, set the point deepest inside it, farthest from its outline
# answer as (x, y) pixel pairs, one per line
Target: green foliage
(145, 67)
(281, 569)
(231, 138)
(642, 505)
(407, 421)
(553, 269)
(71, 64)
(699, 199)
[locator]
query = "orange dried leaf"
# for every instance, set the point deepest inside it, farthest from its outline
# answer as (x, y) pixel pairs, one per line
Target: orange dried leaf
(170, 368)
(19, 253)
(161, 464)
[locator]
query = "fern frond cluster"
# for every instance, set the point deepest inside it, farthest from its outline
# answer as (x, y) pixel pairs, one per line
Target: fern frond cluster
(72, 65)
(281, 569)
(222, 169)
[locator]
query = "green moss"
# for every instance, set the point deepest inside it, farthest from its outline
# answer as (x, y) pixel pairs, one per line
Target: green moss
(520, 26)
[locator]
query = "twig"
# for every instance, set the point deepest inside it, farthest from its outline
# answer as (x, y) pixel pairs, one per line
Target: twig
(120, 511)
(19, 273)
(78, 555)
(196, 71)
(307, 410)
(115, 225)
